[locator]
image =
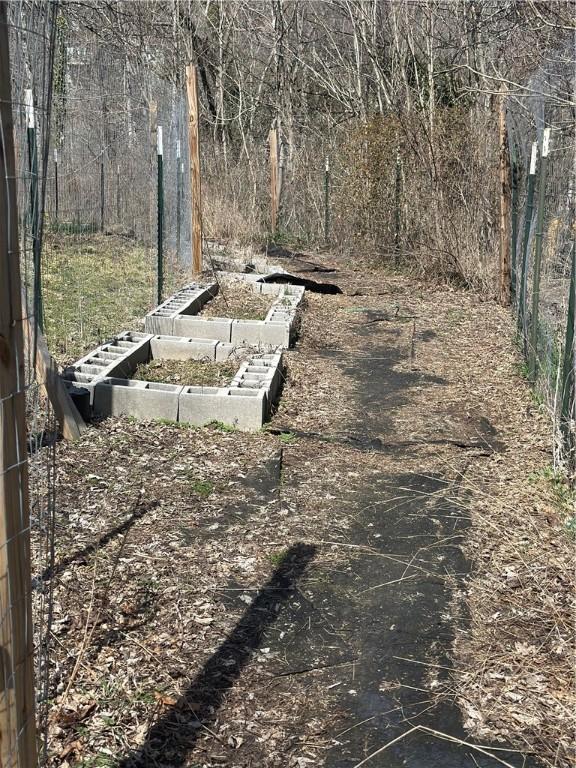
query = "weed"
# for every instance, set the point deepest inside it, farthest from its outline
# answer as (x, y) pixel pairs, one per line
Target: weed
(277, 557)
(287, 438)
(563, 496)
(101, 760)
(202, 487)
(145, 697)
(221, 427)
(172, 423)
(522, 370)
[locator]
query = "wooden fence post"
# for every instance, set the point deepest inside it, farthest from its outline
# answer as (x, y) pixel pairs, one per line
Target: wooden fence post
(194, 142)
(17, 709)
(273, 141)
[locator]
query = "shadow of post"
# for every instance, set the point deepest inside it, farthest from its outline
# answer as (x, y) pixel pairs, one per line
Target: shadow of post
(173, 736)
(138, 511)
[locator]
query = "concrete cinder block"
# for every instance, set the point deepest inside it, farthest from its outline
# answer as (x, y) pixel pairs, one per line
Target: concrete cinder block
(159, 324)
(178, 348)
(269, 289)
(243, 409)
(217, 328)
(141, 399)
(118, 358)
(261, 371)
(260, 333)
(224, 351)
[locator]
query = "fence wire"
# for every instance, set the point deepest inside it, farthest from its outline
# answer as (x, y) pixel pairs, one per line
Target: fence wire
(28, 38)
(543, 235)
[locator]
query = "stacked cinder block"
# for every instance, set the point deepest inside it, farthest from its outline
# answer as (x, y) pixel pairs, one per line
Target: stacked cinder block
(187, 301)
(119, 357)
(173, 331)
(176, 317)
(105, 373)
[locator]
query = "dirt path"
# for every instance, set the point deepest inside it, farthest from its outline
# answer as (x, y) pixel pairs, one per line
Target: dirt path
(293, 599)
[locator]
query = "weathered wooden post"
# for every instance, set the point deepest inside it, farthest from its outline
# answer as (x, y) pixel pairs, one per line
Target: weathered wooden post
(194, 142)
(17, 708)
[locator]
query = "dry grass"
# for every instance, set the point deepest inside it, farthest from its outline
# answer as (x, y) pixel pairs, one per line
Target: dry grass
(202, 373)
(94, 287)
(238, 301)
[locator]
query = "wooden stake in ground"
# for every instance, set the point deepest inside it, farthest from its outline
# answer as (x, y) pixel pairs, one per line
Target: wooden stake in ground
(504, 271)
(194, 142)
(47, 375)
(17, 711)
(273, 141)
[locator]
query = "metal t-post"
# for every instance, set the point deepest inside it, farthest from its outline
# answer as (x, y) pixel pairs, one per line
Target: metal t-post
(526, 238)
(569, 364)
(533, 351)
(160, 153)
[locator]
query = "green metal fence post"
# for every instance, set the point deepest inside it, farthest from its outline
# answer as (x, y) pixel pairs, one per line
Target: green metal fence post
(34, 212)
(160, 153)
(327, 199)
(533, 351)
(102, 196)
(178, 198)
(529, 212)
(514, 201)
(397, 207)
(56, 191)
(568, 365)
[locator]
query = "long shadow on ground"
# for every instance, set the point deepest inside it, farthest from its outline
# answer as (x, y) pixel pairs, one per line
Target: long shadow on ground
(171, 738)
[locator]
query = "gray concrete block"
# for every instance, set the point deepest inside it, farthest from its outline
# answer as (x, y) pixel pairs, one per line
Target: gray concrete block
(179, 348)
(268, 289)
(224, 351)
(117, 358)
(217, 328)
(159, 324)
(260, 333)
(140, 399)
(243, 409)
(261, 372)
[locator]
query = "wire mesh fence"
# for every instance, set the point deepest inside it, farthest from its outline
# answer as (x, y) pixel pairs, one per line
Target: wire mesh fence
(98, 177)
(541, 135)
(26, 417)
